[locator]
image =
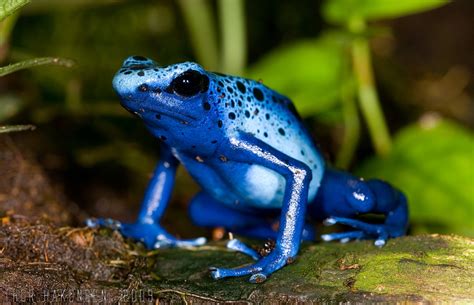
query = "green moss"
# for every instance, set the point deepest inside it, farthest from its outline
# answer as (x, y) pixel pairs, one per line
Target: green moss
(439, 267)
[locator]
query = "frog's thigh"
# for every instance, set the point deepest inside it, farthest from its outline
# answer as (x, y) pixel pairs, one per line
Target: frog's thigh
(205, 211)
(208, 212)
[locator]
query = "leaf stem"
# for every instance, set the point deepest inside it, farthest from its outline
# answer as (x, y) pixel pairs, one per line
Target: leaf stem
(6, 27)
(201, 26)
(351, 127)
(233, 36)
(14, 128)
(35, 62)
(368, 97)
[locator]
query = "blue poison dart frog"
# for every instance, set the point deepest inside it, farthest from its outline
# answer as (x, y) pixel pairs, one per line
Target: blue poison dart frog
(260, 173)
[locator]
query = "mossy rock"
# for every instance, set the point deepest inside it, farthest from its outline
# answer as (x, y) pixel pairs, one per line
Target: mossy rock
(415, 268)
(39, 261)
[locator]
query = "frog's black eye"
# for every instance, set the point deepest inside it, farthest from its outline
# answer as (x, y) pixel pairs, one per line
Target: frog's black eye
(189, 83)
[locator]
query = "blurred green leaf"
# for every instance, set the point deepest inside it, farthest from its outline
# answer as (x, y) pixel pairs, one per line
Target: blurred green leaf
(341, 11)
(35, 62)
(8, 7)
(132, 157)
(433, 163)
(10, 106)
(13, 128)
(308, 72)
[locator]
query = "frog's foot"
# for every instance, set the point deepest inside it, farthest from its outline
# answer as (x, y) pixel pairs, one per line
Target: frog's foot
(379, 232)
(259, 271)
(151, 235)
(235, 244)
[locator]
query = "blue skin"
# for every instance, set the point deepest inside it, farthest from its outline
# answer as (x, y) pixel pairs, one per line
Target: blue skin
(260, 173)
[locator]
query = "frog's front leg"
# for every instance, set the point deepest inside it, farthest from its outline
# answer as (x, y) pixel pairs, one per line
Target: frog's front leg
(344, 196)
(147, 228)
(247, 149)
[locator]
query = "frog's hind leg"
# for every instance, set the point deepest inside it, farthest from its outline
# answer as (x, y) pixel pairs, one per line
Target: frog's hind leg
(205, 211)
(343, 197)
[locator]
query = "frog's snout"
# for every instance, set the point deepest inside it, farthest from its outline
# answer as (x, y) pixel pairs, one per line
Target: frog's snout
(134, 74)
(137, 62)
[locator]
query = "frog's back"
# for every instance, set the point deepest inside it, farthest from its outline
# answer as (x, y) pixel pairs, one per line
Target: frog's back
(251, 107)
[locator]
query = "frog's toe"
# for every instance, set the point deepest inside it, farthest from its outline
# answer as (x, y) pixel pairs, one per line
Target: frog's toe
(152, 235)
(380, 242)
(103, 222)
(219, 273)
(258, 278)
(237, 245)
(259, 271)
(367, 228)
(166, 242)
(379, 232)
(381, 238)
(343, 237)
(329, 221)
(143, 232)
(309, 233)
(216, 273)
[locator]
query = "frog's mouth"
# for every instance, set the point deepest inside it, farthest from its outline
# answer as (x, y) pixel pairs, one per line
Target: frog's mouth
(155, 116)
(181, 117)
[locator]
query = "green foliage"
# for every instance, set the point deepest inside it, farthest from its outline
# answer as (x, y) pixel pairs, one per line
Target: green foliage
(319, 74)
(11, 105)
(309, 71)
(197, 14)
(8, 7)
(434, 166)
(341, 11)
(233, 38)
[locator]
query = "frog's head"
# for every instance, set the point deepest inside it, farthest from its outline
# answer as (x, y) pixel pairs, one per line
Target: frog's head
(164, 97)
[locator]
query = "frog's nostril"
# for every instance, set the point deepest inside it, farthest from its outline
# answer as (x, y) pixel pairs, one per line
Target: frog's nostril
(138, 67)
(139, 58)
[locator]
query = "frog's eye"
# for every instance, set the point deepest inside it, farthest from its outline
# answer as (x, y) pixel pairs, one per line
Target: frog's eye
(189, 83)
